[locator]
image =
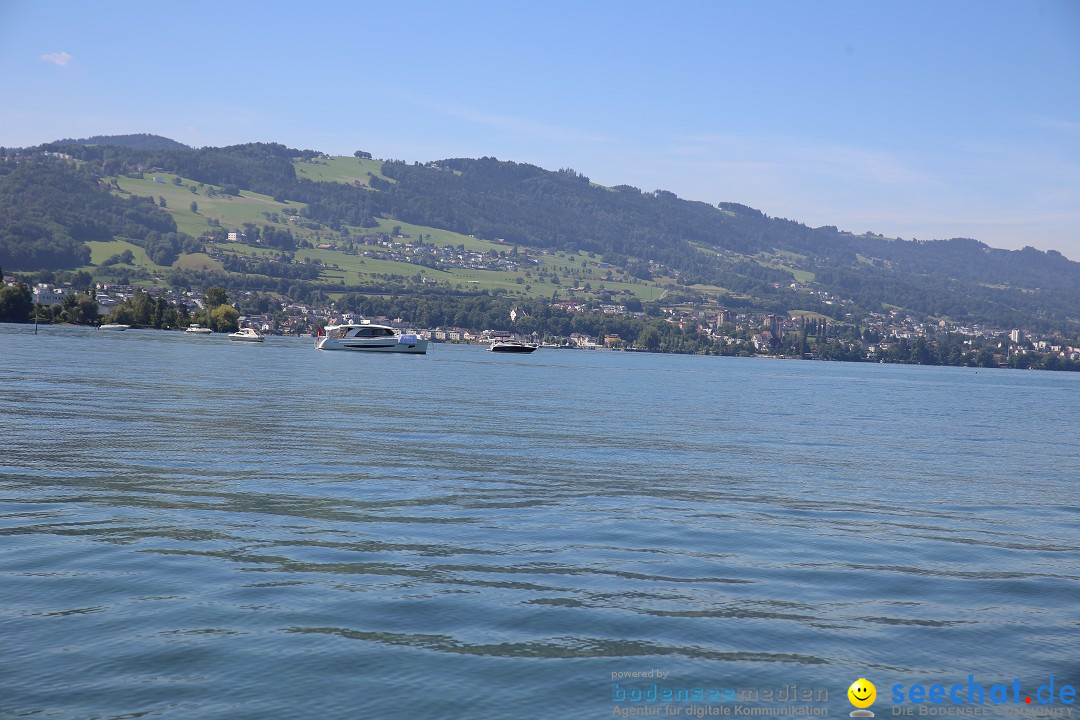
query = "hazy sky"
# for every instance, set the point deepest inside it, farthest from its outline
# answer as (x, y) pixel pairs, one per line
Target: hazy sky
(912, 119)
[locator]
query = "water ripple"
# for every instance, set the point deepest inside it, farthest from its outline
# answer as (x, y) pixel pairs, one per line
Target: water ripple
(194, 530)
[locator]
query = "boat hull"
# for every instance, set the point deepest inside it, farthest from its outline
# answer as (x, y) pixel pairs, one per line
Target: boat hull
(512, 348)
(376, 345)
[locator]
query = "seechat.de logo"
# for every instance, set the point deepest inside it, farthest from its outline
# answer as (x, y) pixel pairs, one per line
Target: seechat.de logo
(862, 694)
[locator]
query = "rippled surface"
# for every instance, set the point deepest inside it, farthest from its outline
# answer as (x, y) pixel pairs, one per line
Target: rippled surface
(192, 528)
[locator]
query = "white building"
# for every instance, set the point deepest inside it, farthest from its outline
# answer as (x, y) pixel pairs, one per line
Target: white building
(47, 295)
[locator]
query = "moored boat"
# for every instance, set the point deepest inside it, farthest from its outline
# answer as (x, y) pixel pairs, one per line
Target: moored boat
(512, 346)
(369, 338)
(196, 329)
(246, 335)
(113, 326)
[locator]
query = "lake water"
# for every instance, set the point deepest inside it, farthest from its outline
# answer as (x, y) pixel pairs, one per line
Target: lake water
(193, 528)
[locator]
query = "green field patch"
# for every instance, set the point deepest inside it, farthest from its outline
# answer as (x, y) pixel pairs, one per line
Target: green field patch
(442, 238)
(571, 273)
(556, 264)
(789, 256)
(198, 261)
(808, 315)
(231, 211)
(340, 168)
(249, 250)
(707, 250)
(645, 293)
(710, 289)
(802, 276)
(476, 280)
(102, 251)
(357, 269)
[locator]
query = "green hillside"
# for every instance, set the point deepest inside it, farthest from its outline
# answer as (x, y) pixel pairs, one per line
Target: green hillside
(469, 226)
(342, 169)
(101, 251)
(217, 211)
(344, 262)
(231, 211)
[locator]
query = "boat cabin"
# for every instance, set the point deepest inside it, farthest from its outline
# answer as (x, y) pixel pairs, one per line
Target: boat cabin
(360, 331)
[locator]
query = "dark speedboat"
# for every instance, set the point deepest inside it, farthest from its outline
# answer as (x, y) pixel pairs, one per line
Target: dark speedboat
(512, 346)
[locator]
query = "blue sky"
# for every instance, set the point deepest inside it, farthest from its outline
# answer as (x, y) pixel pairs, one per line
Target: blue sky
(911, 119)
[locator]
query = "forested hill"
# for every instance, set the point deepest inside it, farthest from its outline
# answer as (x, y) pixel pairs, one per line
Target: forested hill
(726, 244)
(48, 212)
(140, 141)
(746, 256)
(563, 210)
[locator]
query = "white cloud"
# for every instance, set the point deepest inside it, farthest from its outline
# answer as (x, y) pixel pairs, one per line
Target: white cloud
(61, 58)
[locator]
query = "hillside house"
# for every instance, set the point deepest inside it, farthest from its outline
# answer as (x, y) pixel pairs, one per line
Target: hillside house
(47, 295)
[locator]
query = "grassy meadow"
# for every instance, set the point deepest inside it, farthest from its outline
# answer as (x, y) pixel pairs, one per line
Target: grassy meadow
(442, 238)
(231, 211)
(102, 251)
(340, 168)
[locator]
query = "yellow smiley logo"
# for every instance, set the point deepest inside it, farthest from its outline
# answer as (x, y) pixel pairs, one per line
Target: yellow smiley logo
(862, 693)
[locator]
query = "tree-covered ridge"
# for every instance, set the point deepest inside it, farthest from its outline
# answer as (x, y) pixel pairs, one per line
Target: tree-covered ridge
(962, 279)
(559, 210)
(754, 259)
(257, 167)
(144, 141)
(49, 209)
(527, 205)
(974, 261)
(260, 167)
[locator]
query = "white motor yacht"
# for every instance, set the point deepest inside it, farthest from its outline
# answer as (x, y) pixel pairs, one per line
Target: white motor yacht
(369, 338)
(113, 326)
(196, 329)
(246, 335)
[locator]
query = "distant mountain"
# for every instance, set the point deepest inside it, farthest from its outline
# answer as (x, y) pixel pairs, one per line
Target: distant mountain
(729, 254)
(139, 141)
(736, 247)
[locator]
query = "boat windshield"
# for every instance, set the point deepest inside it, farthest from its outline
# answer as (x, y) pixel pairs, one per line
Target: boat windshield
(373, 332)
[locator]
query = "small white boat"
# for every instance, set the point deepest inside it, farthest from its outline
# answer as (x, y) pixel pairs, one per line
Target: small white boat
(246, 335)
(196, 329)
(369, 338)
(512, 346)
(113, 326)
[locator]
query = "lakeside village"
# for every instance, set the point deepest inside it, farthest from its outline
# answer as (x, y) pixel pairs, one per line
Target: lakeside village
(731, 332)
